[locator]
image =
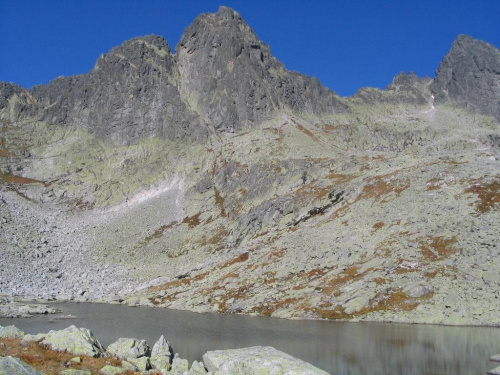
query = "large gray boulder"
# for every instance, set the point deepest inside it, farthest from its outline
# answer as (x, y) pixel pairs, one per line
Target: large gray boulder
(257, 360)
(126, 348)
(74, 340)
(14, 366)
(469, 76)
(11, 332)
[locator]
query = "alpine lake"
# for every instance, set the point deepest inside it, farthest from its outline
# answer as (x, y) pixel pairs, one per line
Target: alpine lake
(340, 348)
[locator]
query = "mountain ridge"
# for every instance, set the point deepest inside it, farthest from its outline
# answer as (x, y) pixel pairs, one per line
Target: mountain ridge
(215, 180)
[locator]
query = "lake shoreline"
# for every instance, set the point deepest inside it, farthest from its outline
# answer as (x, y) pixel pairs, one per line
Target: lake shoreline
(22, 302)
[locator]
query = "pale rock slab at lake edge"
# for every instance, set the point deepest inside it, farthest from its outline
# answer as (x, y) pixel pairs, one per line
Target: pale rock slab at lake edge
(256, 360)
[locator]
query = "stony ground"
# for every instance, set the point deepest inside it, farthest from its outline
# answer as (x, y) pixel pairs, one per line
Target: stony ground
(387, 213)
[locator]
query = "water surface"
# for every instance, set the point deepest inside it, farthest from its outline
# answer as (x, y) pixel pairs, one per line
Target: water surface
(337, 347)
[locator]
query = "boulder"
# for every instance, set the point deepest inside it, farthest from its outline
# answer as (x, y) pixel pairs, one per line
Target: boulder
(79, 341)
(179, 366)
(257, 360)
(161, 355)
(14, 366)
(142, 363)
(125, 348)
(495, 358)
(197, 368)
(11, 332)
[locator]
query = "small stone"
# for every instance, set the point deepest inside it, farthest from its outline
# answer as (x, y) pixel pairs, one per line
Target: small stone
(72, 371)
(112, 370)
(495, 358)
(76, 360)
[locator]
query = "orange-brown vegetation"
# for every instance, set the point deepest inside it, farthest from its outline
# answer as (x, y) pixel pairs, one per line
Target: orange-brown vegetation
(388, 300)
(488, 194)
(50, 361)
(377, 226)
(219, 201)
(434, 248)
(240, 258)
(433, 184)
(13, 179)
(307, 132)
(192, 221)
(6, 153)
(158, 233)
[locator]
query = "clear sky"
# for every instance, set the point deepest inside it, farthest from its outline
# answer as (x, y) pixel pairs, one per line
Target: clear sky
(347, 44)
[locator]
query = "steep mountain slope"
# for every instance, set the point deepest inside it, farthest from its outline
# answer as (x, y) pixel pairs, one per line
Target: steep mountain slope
(469, 76)
(213, 179)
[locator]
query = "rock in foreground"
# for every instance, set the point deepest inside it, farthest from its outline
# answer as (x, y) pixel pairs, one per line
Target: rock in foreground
(74, 340)
(14, 366)
(257, 360)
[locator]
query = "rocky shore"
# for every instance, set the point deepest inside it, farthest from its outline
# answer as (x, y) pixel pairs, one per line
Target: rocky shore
(75, 351)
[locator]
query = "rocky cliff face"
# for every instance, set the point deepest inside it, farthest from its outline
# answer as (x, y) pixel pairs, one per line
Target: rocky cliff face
(213, 179)
(234, 82)
(469, 76)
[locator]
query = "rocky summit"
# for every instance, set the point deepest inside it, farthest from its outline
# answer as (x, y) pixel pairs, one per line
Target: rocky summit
(213, 179)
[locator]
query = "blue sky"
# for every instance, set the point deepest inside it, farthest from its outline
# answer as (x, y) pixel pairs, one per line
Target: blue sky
(346, 44)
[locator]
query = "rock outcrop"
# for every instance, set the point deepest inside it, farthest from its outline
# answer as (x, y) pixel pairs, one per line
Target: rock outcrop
(256, 360)
(230, 77)
(74, 340)
(469, 76)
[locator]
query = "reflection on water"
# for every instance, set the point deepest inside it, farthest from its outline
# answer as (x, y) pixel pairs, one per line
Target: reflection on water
(339, 348)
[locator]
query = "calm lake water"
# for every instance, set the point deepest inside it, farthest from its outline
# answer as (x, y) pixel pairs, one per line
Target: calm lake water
(339, 348)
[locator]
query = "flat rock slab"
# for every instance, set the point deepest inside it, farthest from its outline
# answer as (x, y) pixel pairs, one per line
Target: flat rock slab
(79, 341)
(495, 358)
(263, 360)
(495, 371)
(14, 366)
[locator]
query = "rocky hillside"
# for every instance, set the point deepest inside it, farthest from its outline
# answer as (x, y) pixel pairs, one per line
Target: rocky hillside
(213, 179)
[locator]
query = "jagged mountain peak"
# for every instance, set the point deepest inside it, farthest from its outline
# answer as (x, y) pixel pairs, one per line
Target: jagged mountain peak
(469, 76)
(231, 79)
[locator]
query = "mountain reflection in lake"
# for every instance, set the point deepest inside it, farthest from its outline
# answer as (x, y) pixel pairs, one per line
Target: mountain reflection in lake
(339, 348)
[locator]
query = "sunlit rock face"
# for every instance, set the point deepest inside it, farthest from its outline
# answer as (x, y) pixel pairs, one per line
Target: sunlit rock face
(469, 76)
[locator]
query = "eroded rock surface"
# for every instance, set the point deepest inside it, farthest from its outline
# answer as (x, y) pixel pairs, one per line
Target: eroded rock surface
(469, 76)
